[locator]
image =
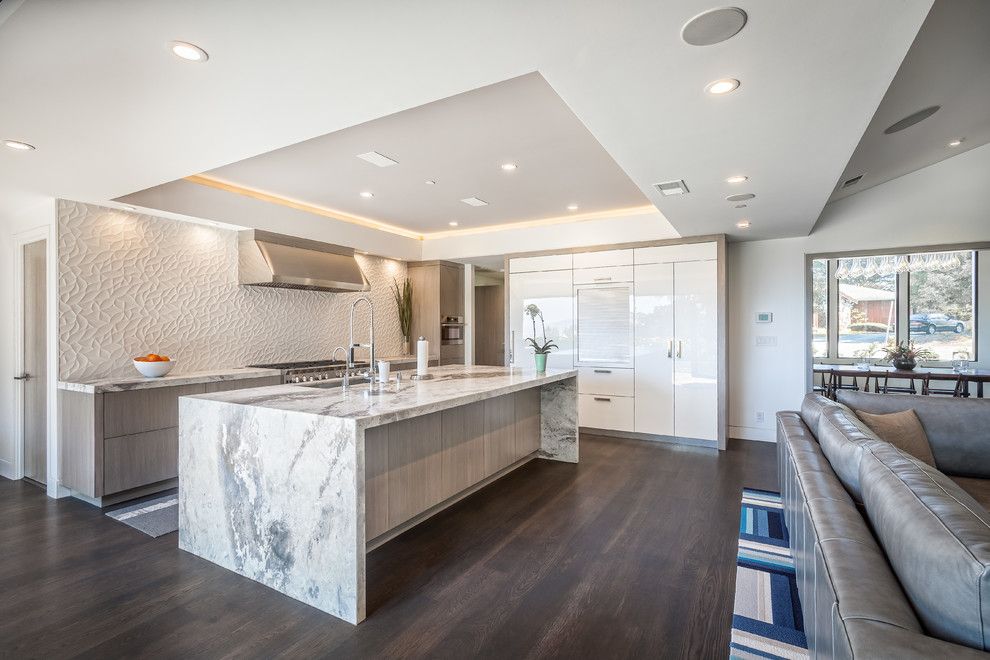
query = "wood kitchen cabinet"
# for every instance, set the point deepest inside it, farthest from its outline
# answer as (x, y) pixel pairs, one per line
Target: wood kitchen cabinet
(116, 446)
(438, 292)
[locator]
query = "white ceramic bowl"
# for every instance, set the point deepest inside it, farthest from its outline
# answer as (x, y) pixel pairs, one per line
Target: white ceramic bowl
(154, 369)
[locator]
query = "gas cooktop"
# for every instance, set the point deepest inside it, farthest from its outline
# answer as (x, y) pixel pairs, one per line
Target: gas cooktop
(287, 366)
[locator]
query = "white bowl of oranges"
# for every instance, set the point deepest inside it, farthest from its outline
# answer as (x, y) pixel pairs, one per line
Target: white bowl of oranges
(154, 365)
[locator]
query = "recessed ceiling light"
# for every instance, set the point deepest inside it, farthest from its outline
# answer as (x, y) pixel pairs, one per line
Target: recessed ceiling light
(956, 142)
(722, 86)
(572, 207)
(743, 224)
(452, 223)
(375, 158)
(739, 178)
(430, 182)
(187, 51)
(18, 145)
(740, 206)
(367, 195)
(508, 167)
(474, 201)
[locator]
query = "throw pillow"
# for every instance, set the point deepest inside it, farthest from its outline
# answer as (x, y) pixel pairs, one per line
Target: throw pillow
(903, 430)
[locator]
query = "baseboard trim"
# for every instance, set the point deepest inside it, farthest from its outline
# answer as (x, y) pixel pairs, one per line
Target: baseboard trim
(650, 437)
(6, 469)
(133, 494)
(759, 434)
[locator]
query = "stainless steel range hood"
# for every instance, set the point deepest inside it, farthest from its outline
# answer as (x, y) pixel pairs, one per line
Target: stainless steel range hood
(275, 260)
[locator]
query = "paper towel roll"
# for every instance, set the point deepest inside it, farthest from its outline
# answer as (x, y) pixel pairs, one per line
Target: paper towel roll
(422, 356)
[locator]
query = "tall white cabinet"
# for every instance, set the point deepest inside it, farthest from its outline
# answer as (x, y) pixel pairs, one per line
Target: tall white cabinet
(641, 326)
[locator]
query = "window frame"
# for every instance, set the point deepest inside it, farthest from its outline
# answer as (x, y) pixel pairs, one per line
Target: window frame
(902, 301)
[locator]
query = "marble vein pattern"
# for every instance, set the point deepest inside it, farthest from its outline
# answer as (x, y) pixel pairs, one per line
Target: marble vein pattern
(559, 421)
(275, 497)
(99, 385)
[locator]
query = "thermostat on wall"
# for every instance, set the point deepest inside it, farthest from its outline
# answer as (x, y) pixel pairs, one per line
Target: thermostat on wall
(764, 317)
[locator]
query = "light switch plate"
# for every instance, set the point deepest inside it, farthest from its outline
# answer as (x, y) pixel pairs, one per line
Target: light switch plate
(766, 340)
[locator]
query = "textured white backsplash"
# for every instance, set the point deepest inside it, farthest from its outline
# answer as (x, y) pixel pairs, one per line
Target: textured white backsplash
(130, 284)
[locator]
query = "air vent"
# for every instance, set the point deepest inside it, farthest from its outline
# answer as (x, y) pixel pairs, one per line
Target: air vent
(474, 201)
(378, 159)
(668, 188)
(741, 197)
(851, 182)
(911, 120)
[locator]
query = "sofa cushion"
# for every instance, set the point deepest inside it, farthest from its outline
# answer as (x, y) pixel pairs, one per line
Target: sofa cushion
(958, 429)
(937, 540)
(902, 429)
(843, 439)
(812, 406)
(978, 489)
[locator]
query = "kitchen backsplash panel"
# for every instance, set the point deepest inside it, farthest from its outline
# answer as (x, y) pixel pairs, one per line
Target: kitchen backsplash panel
(130, 284)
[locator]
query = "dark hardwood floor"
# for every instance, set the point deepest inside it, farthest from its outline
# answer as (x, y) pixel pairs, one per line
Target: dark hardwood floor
(631, 553)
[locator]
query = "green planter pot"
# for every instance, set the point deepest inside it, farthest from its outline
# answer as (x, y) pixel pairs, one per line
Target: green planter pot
(541, 362)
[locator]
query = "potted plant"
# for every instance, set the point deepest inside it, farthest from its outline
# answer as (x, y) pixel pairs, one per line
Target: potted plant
(541, 350)
(403, 301)
(905, 356)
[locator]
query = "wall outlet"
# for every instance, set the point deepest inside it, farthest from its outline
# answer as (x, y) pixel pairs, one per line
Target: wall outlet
(760, 417)
(766, 340)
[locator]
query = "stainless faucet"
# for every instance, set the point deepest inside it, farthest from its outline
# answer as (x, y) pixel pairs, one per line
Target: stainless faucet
(370, 346)
(347, 371)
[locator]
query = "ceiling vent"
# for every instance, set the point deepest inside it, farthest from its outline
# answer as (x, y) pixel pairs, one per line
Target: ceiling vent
(474, 201)
(378, 159)
(911, 120)
(668, 188)
(852, 182)
(741, 197)
(713, 26)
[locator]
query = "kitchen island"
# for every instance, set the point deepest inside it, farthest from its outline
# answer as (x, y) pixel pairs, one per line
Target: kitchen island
(291, 485)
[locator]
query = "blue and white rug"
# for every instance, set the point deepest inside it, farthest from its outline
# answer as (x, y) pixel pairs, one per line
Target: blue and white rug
(155, 516)
(766, 619)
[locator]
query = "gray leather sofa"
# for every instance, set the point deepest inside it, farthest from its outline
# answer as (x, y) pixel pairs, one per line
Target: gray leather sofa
(892, 555)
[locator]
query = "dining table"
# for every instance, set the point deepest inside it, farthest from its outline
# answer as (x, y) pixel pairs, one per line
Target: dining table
(975, 376)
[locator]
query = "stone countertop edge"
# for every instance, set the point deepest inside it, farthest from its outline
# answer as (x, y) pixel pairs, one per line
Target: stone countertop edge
(304, 400)
(98, 386)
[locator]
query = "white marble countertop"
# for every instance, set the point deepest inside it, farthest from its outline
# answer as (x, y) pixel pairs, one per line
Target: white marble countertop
(451, 386)
(123, 384)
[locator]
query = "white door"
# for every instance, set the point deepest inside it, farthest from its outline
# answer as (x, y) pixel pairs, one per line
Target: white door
(552, 293)
(696, 350)
(33, 379)
(654, 332)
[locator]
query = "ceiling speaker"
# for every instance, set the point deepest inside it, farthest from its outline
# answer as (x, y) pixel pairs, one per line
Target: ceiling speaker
(741, 197)
(713, 26)
(911, 120)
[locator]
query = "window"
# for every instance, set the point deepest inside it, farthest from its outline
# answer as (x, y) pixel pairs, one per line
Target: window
(874, 300)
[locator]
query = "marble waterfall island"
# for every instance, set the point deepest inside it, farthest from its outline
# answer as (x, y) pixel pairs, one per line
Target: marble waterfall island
(290, 485)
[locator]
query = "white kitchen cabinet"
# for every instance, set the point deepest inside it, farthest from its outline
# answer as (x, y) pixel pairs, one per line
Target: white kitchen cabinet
(673, 253)
(599, 411)
(676, 313)
(603, 316)
(541, 264)
(603, 258)
(603, 275)
(553, 293)
(599, 380)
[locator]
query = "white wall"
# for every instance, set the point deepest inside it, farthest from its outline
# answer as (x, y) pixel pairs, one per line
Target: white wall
(944, 203)
(40, 215)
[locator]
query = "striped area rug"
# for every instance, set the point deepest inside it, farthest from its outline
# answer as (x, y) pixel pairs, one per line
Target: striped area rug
(154, 516)
(766, 618)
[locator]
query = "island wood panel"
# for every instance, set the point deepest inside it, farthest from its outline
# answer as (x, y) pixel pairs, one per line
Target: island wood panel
(528, 421)
(463, 434)
(500, 433)
(137, 460)
(415, 467)
(376, 477)
(80, 442)
(137, 411)
(243, 384)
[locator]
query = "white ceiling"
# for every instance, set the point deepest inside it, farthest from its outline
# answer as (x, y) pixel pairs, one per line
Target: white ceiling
(948, 65)
(92, 85)
(460, 143)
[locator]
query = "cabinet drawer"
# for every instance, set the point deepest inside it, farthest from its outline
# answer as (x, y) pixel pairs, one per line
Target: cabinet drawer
(537, 264)
(672, 253)
(243, 384)
(606, 412)
(603, 258)
(136, 460)
(605, 380)
(137, 411)
(603, 275)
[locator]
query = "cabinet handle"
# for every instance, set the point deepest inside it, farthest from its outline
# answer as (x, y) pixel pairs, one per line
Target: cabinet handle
(22, 377)
(603, 279)
(603, 371)
(512, 347)
(670, 348)
(680, 348)
(602, 398)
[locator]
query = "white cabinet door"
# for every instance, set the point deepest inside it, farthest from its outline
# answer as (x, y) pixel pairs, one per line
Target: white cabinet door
(696, 350)
(654, 330)
(552, 292)
(603, 313)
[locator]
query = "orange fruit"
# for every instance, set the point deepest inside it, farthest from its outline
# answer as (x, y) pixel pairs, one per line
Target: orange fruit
(153, 357)
(163, 358)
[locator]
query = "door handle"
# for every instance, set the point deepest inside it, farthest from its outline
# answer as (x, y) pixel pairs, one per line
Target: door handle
(670, 348)
(512, 347)
(603, 371)
(602, 398)
(680, 348)
(23, 377)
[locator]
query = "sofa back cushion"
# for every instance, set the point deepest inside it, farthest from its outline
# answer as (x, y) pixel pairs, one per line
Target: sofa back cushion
(937, 540)
(958, 429)
(812, 407)
(843, 439)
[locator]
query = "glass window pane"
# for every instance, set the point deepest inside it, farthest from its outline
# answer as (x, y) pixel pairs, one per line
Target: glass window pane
(867, 305)
(941, 302)
(819, 308)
